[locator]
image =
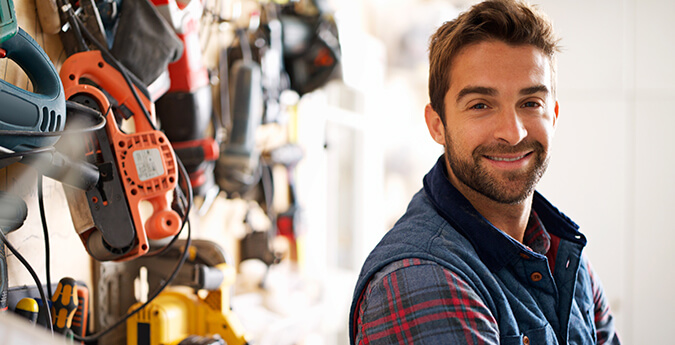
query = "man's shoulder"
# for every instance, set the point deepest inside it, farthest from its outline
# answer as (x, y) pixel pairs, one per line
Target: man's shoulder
(417, 229)
(421, 233)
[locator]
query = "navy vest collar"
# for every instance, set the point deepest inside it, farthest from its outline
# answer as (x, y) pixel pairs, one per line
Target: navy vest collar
(495, 248)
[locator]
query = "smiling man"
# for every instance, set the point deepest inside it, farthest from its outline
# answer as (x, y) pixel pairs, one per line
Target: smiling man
(480, 257)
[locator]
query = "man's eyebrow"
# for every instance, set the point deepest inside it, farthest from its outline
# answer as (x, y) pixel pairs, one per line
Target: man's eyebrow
(481, 90)
(534, 89)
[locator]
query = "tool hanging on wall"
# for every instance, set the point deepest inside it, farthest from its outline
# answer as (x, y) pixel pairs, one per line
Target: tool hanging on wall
(32, 122)
(295, 47)
(177, 316)
(26, 113)
(312, 53)
(134, 167)
(13, 212)
(238, 167)
(186, 110)
(8, 25)
(145, 43)
(253, 78)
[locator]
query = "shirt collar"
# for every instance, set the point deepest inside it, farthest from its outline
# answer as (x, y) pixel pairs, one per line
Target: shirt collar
(536, 237)
(495, 248)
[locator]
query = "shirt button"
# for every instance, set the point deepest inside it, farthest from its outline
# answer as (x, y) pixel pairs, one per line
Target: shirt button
(526, 340)
(536, 276)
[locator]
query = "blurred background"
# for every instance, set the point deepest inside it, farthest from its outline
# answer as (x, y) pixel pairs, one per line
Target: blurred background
(365, 149)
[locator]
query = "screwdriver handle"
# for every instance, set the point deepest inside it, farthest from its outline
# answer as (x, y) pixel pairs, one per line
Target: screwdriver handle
(64, 304)
(80, 320)
(28, 308)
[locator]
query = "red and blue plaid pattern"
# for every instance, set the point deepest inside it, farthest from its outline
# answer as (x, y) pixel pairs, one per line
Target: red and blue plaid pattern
(415, 301)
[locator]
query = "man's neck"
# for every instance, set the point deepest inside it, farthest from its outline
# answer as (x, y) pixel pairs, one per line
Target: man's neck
(510, 218)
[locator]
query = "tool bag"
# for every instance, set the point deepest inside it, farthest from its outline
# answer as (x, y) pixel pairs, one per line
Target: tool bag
(144, 42)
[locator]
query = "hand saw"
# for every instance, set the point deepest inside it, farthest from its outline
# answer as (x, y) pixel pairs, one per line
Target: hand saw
(135, 168)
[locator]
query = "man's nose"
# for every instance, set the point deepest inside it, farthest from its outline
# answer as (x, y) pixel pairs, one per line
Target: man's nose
(509, 127)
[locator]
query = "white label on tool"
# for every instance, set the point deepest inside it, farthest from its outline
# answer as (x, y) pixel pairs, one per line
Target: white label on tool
(148, 163)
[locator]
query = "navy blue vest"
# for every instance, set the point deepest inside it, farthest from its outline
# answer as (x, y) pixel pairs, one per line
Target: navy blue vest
(442, 226)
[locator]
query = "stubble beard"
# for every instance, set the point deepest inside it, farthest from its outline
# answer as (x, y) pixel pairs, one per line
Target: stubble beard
(502, 187)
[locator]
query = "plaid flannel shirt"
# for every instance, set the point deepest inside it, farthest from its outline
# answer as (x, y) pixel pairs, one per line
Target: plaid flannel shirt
(412, 299)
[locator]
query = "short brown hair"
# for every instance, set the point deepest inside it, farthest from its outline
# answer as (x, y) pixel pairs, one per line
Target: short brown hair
(511, 21)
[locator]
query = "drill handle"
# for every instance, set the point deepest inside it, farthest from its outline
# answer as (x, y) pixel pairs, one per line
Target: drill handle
(42, 110)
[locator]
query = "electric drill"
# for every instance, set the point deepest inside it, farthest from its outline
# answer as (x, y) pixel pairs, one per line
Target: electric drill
(186, 110)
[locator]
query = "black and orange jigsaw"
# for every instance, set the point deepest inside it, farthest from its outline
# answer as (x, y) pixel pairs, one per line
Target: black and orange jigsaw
(131, 204)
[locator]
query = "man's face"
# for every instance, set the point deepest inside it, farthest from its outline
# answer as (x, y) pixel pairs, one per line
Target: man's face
(500, 118)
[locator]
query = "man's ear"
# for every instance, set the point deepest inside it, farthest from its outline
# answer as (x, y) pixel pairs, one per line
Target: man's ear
(555, 119)
(434, 124)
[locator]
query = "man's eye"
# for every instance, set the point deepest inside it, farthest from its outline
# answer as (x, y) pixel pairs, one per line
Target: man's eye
(479, 106)
(531, 104)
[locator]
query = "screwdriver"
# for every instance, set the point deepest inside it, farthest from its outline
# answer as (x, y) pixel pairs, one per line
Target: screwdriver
(79, 323)
(64, 304)
(28, 308)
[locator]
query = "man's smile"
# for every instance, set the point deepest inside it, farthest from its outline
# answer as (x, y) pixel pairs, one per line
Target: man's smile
(509, 158)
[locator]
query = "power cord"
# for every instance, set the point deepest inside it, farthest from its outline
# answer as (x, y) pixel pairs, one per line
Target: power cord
(188, 243)
(27, 152)
(161, 288)
(45, 301)
(118, 66)
(45, 231)
(187, 199)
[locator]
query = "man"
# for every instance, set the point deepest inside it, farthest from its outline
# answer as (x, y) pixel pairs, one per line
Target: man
(480, 257)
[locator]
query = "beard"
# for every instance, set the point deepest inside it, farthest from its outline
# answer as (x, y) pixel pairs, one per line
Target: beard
(510, 187)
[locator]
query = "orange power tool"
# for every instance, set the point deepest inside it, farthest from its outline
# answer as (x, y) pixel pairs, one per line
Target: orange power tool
(134, 168)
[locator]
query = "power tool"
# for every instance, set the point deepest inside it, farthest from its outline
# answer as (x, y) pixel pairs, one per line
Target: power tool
(176, 315)
(238, 167)
(8, 25)
(13, 212)
(32, 122)
(186, 110)
(134, 168)
(312, 51)
(40, 111)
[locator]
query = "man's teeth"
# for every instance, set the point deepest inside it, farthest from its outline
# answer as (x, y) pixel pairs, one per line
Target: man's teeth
(503, 159)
